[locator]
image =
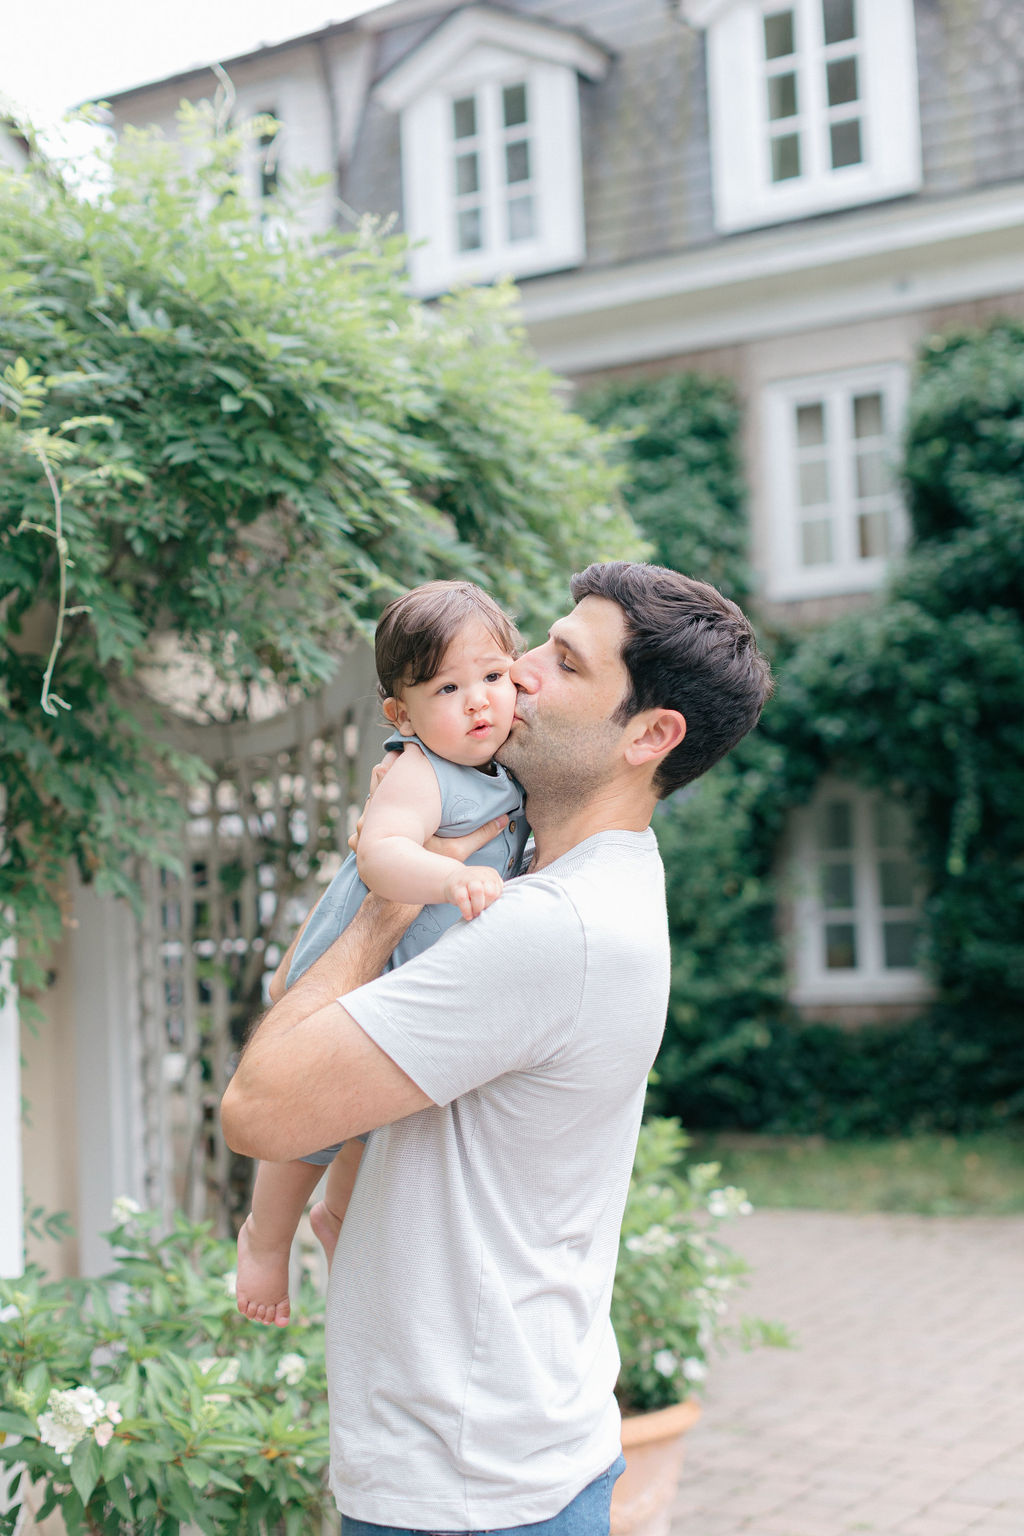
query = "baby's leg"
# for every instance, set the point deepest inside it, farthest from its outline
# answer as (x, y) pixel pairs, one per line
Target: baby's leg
(328, 1214)
(264, 1243)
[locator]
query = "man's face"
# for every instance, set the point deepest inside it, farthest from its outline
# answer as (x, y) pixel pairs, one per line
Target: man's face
(563, 740)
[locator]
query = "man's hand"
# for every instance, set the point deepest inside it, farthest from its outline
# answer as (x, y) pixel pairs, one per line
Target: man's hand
(473, 890)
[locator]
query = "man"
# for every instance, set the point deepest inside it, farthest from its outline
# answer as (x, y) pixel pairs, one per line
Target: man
(471, 1359)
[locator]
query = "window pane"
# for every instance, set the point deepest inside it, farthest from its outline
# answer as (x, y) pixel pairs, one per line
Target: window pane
(835, 827)
(517, 161)
(840, 947)
(814, 483)
(874, 541)
(837, 885)
(839, 19)
(514, 105)
(470, 230)
(842, 81)
(781, 96)
(467, 174)
(786, 157)
(464, 114)
(892, 825)
(896, 881)
(816, 543)
(899, 942)
(846, 143)
(520, 218)
(867, 416)
(873, 477)
(810, 425)
(778, 35)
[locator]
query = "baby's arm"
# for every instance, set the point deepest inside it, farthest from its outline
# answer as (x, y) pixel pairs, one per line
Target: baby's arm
(403, 813)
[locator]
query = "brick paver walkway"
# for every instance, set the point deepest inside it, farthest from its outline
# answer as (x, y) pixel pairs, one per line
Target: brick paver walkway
(902, 1410)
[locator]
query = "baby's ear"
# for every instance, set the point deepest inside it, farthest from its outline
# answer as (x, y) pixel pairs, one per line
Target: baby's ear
(396, 712)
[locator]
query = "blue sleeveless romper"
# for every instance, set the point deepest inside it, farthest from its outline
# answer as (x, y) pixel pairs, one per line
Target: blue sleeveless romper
(468, 799)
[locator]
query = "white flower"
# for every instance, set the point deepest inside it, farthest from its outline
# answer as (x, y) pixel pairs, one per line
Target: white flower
(694, 1370)
(231, 1282)
(103, 1433)
(290, 1369)
(124, 1208)
(230, 1370)
(729, 1202)
(9, 1313)
(654, 1242)
(69, 1417)
(665, 1362)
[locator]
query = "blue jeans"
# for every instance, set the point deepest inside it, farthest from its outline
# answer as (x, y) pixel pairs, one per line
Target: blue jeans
(587, 1515)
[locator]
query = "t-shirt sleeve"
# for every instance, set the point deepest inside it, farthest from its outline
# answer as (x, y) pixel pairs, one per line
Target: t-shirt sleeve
(498, 994)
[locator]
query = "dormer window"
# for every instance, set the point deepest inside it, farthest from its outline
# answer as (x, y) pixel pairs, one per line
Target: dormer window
(491, 163)
(813, 105)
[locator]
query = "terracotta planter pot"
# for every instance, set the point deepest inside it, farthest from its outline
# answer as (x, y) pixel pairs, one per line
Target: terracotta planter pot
(652, 1444)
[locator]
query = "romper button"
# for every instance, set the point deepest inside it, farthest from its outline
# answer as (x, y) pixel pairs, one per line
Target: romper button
(511, 826)
(511, 863)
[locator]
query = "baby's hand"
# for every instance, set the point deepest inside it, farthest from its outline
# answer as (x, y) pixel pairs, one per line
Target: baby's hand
(473, 889)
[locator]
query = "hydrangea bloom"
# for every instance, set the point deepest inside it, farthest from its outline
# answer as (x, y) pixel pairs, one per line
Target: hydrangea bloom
(665, 1362)
(290, 1369)
(729, 1202)
(70, 1415)
(124, 1208)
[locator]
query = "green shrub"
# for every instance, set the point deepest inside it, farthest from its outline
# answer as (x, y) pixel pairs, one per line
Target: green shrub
(144, 1401)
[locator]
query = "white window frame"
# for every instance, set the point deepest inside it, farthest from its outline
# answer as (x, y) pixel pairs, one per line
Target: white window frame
(744, 194)
(480, 53)
(870, 981)
(788, 578)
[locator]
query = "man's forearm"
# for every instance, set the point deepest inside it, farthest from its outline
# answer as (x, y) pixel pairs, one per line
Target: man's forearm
(267, 1106)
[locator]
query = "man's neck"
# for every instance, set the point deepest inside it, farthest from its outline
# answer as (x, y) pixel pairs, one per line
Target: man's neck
(557, 829)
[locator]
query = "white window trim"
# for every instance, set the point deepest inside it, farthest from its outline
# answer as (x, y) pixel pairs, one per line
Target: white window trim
(744, 193)
(813, 985)
(479, 50)
(787, 578)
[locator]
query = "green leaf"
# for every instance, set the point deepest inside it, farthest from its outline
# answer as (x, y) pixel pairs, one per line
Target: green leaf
(85, 1467)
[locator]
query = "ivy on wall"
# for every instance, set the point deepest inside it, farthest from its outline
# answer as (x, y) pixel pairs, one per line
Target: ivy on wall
(919, 695)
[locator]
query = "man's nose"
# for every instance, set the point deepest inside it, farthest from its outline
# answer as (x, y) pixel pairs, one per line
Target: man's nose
(523, 671)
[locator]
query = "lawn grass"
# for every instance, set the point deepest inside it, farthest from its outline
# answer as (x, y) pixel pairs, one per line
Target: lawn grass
(931, 1175)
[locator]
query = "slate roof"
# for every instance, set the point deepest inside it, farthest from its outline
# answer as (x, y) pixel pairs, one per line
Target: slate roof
(647, 158)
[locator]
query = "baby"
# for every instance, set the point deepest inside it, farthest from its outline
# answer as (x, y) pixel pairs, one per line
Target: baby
(443, 653)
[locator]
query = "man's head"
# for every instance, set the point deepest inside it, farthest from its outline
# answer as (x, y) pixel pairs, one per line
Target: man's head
(654, 674)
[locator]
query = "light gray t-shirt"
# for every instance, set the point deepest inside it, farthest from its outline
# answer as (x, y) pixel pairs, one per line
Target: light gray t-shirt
(471, 1360)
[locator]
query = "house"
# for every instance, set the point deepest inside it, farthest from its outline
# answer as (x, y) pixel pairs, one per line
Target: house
(789, 193)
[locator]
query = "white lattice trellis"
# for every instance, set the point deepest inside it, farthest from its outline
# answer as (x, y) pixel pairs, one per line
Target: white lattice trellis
(262, 837)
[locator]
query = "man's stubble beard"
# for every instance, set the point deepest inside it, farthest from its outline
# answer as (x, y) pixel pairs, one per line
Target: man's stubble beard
(561, 766)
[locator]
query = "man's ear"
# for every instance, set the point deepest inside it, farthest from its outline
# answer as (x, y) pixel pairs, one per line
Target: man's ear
(396, 712)
(654, 733)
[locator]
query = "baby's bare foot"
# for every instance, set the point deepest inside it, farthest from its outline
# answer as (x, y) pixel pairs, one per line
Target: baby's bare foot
(326, 1227)
(262, 1285)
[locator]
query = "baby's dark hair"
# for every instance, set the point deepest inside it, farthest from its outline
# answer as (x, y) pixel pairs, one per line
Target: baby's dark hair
(417, 628)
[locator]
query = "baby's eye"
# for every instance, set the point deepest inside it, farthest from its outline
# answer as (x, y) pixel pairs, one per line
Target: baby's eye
(493, 677)
(447, 688)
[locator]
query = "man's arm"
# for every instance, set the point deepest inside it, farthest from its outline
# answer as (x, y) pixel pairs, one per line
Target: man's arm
(309, 1076)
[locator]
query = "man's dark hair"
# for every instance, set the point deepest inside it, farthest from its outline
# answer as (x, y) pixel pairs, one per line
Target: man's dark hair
(687, 648)
(416, 629)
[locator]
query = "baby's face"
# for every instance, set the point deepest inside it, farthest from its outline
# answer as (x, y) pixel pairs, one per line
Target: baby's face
(465, 712)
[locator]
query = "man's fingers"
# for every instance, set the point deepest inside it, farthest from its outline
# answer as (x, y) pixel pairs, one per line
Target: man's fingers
(461, 847)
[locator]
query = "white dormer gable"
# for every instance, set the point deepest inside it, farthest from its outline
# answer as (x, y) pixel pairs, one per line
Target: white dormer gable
(491, 163)
(813, 105)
